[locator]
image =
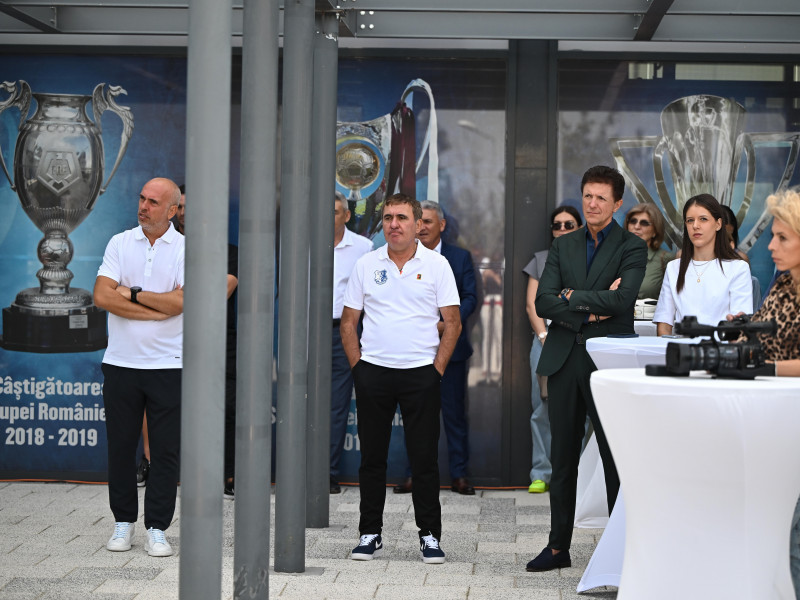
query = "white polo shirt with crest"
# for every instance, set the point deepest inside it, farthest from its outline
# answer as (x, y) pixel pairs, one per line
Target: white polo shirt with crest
(401, 309)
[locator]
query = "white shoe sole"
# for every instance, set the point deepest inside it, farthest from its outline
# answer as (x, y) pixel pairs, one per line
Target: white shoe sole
(359, 556)
(436, 560)
(118, 547)
(160, 552)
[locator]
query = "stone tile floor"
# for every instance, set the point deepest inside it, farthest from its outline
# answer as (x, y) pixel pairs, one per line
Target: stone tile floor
(53, 535)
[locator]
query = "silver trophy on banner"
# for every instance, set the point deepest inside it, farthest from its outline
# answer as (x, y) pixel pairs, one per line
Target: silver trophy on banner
(58, 175)
(703, 144)
(377, 158)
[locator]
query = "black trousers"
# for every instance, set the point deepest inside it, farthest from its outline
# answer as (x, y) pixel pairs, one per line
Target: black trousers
(570, 400)
(230, 427)
(126, 395)
(378, 392)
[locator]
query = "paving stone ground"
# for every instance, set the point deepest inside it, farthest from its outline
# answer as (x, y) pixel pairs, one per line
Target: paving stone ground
(53, 536)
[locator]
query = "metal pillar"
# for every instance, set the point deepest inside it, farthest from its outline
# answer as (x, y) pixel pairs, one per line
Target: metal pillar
(256, 299)
(207, 122)
(323, 171)
(290, 472)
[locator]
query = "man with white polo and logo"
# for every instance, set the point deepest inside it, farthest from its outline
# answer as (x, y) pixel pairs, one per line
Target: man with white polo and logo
(401, 288)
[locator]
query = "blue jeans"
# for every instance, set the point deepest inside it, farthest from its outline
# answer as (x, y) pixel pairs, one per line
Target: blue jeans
(540, 422)
(794, 549)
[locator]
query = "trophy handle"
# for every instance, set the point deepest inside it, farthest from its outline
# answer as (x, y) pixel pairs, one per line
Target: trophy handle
(617, 145)
(744, 143)
(430, 144)
(102, 102)
(21, 98)
(791, 163)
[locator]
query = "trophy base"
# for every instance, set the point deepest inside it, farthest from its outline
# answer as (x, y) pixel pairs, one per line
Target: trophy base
(72, 330)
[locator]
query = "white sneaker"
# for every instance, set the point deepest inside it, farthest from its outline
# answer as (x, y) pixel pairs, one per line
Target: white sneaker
(157, 544)
(121, 538)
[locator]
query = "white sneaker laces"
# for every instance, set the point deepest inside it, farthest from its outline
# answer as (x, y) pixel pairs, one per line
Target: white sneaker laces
(158, 536)
(431, 542)
(366, 539)
(121, 529)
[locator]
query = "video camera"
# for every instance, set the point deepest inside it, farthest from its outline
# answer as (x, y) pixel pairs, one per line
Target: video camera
(742, 360)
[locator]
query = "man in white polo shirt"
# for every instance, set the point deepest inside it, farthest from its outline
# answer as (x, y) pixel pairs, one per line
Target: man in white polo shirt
(348, 247)
(401, 288)
(140, 284)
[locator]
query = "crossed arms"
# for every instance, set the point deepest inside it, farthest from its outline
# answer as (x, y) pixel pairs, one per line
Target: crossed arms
(152, 306)
(615, 300)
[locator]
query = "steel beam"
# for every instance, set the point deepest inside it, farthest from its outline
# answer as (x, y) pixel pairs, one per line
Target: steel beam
(722, 28)
(28, 19)
(257, 210)
(651, 19)
(290, 468)
(323, 173)
(496, 25)
(208, 109)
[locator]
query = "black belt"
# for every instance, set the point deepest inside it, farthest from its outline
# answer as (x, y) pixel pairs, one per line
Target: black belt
(337, 322)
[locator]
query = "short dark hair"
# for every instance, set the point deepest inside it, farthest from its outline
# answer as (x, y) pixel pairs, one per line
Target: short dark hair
(609, 175)
(565, 208)
(416, 209)
(182, 188)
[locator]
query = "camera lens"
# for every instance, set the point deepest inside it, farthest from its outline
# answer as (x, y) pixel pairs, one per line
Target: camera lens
(682, 358)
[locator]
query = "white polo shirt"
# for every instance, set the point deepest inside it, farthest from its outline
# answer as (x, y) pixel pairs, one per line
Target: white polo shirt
(401, 310)
(345, 254)
(130, 260)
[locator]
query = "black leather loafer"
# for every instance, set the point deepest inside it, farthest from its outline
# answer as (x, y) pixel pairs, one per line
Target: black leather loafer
(403, 488)
(547, 561)
(462, 486)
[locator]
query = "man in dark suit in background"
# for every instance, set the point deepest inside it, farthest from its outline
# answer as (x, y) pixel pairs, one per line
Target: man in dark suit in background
(588, 289)
(454, 380)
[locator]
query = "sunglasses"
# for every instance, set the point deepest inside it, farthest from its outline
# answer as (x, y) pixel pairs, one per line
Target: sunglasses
(569, 226)
(642, 222)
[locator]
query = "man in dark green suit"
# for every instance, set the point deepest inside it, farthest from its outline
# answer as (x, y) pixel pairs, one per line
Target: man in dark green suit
(588, 289)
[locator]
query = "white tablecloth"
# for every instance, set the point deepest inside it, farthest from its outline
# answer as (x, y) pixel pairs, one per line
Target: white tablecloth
(710, 491)
(624, 353)
(644, 327)
(591, 508)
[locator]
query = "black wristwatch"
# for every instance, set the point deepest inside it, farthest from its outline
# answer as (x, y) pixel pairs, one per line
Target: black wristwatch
(135, 290)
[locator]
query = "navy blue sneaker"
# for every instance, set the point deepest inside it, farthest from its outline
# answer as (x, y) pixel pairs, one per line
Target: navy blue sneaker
(369, 546)
(430, 550)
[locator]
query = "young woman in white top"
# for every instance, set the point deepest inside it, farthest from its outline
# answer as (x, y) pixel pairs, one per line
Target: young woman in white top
(709, 280)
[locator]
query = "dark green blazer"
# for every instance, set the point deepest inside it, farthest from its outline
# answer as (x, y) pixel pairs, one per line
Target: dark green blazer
(622, 254)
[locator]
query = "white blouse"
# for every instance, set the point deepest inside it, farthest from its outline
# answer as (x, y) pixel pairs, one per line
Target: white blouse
(717, 294)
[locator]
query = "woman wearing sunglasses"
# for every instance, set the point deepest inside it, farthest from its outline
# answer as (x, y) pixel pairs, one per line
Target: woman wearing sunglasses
(563, 220)
(645, 221)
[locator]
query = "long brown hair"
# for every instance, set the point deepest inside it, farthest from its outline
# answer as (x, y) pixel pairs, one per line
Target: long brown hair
(722, 240)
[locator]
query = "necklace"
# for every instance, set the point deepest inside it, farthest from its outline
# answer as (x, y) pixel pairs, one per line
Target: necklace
(401, 267)
(700, 274)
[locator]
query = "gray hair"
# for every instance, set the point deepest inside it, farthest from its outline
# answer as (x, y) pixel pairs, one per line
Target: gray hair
(431, 205)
